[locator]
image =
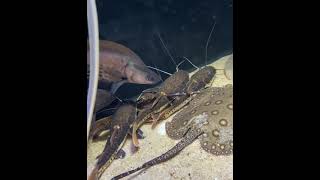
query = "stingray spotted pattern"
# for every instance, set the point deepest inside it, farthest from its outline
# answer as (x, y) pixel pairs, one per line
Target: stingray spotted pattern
(211, 111)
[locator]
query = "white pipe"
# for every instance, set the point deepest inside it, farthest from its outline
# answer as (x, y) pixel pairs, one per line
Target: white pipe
(94, 60)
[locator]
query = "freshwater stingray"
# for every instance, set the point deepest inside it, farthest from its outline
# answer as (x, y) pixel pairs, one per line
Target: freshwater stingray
(209, 117)
(119, 65)
(215, 105)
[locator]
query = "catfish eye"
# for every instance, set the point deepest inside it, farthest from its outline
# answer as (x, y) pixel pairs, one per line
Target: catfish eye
(150, 78)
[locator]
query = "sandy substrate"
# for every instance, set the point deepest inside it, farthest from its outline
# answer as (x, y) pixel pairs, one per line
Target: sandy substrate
(190, 163)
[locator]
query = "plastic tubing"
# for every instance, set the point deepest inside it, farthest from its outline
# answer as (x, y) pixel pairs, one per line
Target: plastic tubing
(94, 60)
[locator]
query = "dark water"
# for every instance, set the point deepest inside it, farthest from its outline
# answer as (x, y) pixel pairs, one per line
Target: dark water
(183, 24)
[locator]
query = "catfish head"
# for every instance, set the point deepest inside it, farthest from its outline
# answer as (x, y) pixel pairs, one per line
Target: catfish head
(140, 74)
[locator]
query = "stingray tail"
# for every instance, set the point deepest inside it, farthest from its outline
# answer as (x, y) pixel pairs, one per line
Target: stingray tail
(188, 139)
(128, 173)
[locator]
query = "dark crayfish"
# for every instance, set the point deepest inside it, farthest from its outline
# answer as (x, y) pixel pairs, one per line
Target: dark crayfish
(160, 99)
(197, 82)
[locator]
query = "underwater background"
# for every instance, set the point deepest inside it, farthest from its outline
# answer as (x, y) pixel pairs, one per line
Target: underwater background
(184, 26)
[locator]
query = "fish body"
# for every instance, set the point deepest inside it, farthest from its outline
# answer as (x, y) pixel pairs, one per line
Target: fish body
(103, 99)
(228, 68)
(120, 126)
(118, 63)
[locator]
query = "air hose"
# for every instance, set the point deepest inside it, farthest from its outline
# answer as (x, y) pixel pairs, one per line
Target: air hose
(94, 60)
